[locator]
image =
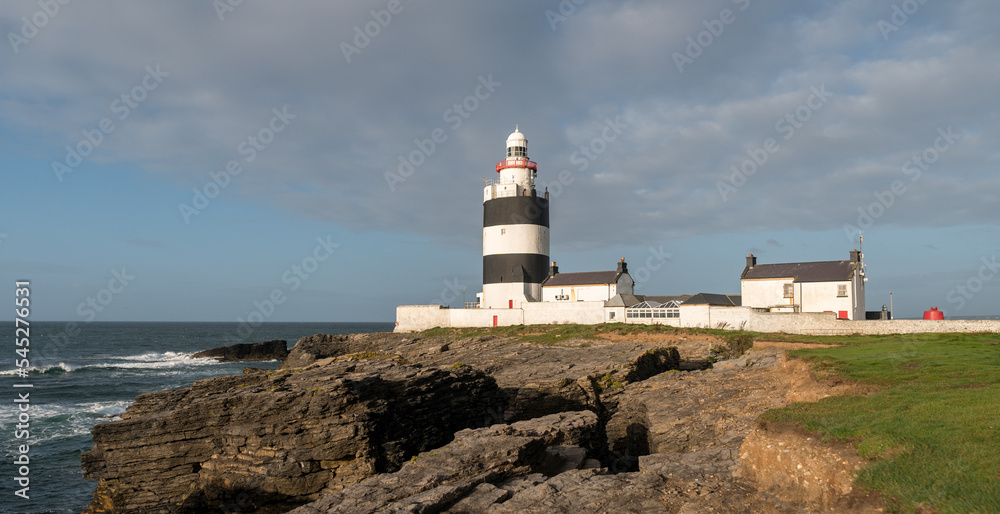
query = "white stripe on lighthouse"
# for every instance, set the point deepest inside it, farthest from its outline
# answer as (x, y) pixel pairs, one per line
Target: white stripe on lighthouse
(507, 239)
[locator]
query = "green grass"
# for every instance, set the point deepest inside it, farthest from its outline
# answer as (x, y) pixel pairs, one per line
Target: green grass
(556, 334)
(378, 356)
(928, 419)
(546, 334)
(608, 381)
(930, 424)
(736, 344)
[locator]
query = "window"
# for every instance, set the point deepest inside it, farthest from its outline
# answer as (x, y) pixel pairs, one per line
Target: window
(789, 291)
(653, 313)
(842, 290)
(611, 315)
(503, 231)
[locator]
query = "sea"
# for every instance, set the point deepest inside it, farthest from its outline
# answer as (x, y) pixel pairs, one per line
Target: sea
(82, 374)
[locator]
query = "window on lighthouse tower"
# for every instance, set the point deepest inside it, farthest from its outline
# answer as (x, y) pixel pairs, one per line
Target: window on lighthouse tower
(517, 151)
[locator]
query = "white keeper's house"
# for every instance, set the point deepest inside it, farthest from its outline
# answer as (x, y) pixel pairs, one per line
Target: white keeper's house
(826, 286)
(587, 286)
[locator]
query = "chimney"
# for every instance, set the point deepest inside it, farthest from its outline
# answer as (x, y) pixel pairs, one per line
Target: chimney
(751, 261)
(855, 256)
(622, 266)
(554, 270)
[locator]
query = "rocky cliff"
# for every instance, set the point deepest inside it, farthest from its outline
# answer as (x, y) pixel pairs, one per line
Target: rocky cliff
(404, 423)
(273, 441)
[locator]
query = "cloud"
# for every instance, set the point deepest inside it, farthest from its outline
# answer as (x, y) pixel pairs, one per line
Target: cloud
(658, 180)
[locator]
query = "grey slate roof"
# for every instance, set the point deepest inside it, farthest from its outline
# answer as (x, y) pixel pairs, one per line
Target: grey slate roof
(825, 271)
(664, 299)
(582, 278)
(622, 300)
(628, 300)
(727, 300)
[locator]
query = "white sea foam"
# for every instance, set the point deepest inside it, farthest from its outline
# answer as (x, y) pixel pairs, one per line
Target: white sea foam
(155, 356)
(57, 421)
(160, 361)
(108, 408)
(56, 369)
(164, 360)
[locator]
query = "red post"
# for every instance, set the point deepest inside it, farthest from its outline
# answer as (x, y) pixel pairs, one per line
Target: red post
(494, 321)
(511, 304)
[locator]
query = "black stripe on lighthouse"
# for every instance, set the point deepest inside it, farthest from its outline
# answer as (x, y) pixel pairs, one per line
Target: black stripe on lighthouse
(516, 210)
(507, 267)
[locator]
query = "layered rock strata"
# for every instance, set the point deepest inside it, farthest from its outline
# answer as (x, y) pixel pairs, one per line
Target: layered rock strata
(269, 442)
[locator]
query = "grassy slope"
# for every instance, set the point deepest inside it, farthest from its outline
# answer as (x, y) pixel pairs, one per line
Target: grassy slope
(931, 429)
(930, 423)
(552, 334)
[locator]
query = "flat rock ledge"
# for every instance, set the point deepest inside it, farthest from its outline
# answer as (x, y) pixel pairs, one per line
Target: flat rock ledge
(276, 349)
(272, 441)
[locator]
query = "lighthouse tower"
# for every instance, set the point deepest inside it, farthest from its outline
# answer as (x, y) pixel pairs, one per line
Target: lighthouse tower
(515, 231)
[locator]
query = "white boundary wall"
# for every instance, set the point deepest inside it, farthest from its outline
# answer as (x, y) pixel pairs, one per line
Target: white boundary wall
(412, 318)
(706, 316)
(583, 313)
(819, 323)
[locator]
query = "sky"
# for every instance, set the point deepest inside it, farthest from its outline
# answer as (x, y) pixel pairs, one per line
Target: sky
(323, 161)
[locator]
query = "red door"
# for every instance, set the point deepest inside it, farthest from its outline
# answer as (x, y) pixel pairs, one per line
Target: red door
(511, 304)
(494, 321)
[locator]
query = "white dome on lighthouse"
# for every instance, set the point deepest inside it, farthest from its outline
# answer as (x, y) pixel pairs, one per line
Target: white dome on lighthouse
(516, 136)
(517, 144)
